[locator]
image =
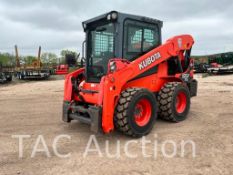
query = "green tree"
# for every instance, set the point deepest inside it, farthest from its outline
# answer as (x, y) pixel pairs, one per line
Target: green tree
(70, 54)
(7, 59)
(29, 59)
(49, 58)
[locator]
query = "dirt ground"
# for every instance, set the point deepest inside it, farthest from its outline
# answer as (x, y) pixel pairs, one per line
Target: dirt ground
(35, 108)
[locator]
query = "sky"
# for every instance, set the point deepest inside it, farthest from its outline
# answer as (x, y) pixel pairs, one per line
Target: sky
(56, 24)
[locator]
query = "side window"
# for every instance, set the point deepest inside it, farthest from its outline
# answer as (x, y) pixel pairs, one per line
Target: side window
(149, 39)
(103, 42)
(134, 39)
(139, 38)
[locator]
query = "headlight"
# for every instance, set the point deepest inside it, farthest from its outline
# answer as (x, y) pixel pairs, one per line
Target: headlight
(114, 15)
(112, 66)
(109, 17)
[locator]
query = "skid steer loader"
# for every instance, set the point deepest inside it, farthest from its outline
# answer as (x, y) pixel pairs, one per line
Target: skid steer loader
(129, 77)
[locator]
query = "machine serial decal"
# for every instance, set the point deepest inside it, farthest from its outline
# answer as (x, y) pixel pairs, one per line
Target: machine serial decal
(149, 60)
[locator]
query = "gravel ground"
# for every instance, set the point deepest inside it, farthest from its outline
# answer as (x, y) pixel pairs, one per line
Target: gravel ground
(35, 108)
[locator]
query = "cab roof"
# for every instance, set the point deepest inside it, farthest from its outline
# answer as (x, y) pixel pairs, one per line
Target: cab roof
(122, 17)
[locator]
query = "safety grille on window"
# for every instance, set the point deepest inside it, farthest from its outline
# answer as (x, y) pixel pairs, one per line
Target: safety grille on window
(103, 43)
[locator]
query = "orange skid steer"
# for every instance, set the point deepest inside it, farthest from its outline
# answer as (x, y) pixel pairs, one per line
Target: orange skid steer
(129, 77)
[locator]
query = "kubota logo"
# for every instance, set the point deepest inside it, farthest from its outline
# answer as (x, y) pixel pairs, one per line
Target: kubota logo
(149, 60)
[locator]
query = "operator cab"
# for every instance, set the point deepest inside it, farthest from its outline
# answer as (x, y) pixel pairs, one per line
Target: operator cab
(117, 35)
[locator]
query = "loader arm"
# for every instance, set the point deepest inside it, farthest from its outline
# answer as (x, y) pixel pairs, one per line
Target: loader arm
(113, 83)
(172, 47)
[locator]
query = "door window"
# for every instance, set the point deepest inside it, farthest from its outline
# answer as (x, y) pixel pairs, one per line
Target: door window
(139, 38)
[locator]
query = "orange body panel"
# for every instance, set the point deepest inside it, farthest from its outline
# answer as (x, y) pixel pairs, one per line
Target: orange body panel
(89, 97)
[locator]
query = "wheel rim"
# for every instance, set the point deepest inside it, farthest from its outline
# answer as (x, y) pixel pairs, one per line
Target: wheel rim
(142, 112)
(181, 102)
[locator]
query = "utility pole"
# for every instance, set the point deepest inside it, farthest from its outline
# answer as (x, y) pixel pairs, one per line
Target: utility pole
(39, 54)
(17, 57)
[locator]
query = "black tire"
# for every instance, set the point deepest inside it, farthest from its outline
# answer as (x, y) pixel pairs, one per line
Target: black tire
(124, 116)
(167, 98)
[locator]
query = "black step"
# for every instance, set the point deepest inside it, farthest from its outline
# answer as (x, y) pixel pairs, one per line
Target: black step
(80, 118)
